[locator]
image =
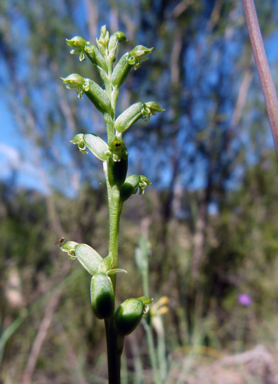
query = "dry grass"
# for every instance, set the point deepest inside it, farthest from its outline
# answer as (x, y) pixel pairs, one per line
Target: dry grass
(256, 366)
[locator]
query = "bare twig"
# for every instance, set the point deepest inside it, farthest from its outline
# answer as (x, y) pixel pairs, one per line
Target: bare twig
(114, 16)
(41, 335)
(215, 14)
(199, 236)
(92, 17)
(50, 308)
(263, 68)
(72, 358)
(175, 55)
(182, 7)
(241, 100)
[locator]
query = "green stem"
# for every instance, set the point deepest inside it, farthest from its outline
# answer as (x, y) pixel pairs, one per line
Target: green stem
(161, 348)
(148, 329)
(152, 351)
(115, 207)
(114, 96)
(145, 278)
(109, 122)
(150, 340)
(113, 340)
(124, 378)
(114, 350)
(114, 219)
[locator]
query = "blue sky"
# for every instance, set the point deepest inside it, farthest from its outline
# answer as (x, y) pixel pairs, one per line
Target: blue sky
(16, 153)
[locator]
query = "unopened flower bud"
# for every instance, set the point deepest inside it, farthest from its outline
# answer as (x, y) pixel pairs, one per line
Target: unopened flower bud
(103, 40)
(116, 38)
(132, 184)
(118, 163)
(129, 315)
(102, 295)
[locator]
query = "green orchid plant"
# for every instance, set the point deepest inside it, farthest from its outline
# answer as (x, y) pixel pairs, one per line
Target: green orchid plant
(114, 156)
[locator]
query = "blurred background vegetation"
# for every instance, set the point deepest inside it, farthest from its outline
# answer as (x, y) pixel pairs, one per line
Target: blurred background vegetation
(209, 216)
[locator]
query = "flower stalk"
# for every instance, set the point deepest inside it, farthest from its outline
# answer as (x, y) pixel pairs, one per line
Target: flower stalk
(114, 156)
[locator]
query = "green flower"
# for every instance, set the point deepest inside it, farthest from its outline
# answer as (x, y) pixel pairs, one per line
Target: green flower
(75, 81)
(137, 55)
(78, 44)
(151, 108)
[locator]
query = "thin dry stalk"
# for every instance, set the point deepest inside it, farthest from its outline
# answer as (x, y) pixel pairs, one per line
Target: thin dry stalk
(41, 335)
(263, 68)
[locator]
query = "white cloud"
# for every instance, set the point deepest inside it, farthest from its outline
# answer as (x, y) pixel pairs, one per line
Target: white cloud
(11, 156)
(28, 173)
